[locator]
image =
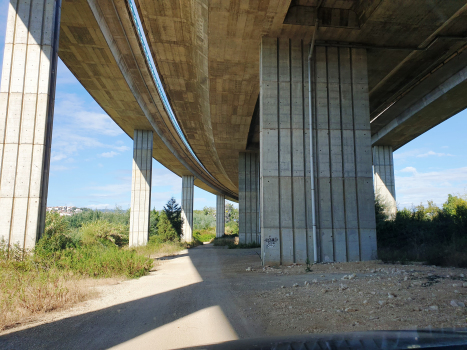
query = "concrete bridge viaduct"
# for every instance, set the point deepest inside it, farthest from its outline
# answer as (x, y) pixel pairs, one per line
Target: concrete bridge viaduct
(290, 107)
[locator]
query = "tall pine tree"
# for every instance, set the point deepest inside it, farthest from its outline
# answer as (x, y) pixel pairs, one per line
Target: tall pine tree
(173, 211)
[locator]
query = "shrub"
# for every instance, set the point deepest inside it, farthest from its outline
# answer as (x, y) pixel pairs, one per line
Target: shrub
(104, 232)
(231, 228)
(204, 235)
(203, 221)
(429, 234)
(166, 232)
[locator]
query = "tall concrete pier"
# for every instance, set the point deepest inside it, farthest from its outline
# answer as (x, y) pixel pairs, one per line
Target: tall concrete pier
(340, 158)
(220, 215)
(248, 195)
(141, 187)
(187, 207)
(27, 95)
(383, 178)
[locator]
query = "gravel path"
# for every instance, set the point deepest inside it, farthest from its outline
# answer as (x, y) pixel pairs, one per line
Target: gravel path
(209, 295)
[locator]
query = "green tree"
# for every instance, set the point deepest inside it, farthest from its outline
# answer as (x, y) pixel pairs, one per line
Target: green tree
(165, 229)
(154, 217)
(452, 203)
(209, 211)
(231, 213)
(173, 212)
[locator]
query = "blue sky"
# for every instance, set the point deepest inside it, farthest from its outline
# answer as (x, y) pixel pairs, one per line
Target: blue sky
(92, 157)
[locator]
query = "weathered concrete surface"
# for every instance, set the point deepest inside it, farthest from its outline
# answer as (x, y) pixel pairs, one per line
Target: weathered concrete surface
(438, 97)
(248, 194)
(383, 178)
(187, 207)
(99, 44)
(341, 151)
(141, 187)
(27, 95)
(234, 35)
(220, 215)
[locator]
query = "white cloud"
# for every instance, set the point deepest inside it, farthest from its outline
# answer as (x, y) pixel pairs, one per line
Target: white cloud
(417, 187)
(431, 153)
(409, 169)
(58, 167)
(121, 148)
(111, 190)
(81, 118)
(419, 153)
(164, 177)
(109, 154)
(55, 157)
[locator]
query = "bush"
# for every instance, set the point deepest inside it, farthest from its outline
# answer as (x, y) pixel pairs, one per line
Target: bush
(204, 235)
(203, 221)
(104, 232)
(231, 228)
(166, 232)
(429, 234)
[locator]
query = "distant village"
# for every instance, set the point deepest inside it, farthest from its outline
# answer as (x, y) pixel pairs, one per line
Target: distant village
(64, 210)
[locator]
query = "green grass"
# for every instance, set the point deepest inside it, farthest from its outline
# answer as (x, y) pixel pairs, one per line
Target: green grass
(205, 235)
(54, 274)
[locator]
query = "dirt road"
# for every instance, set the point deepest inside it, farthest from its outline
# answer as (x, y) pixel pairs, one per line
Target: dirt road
(208, 295)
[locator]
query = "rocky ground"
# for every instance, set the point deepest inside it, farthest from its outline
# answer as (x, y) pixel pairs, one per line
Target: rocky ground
(343, 297)
(210, 294)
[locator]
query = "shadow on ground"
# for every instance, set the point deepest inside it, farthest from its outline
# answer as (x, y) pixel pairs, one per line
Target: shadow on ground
(115, 325)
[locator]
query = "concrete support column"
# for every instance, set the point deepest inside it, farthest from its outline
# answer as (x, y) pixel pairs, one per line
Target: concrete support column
(27, 94)
(383, 178)
(220, 215)
(340, 149)
(141, 187)
(248, 198)
(188, 183)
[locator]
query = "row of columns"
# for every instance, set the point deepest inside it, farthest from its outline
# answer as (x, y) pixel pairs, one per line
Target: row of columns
(307, 195)
(27, 93)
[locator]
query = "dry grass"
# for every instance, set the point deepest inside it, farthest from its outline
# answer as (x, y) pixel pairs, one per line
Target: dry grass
(157, 250)
(24, 294)
(29, 289)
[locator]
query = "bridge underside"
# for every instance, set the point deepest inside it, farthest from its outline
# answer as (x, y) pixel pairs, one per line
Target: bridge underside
(211, 58)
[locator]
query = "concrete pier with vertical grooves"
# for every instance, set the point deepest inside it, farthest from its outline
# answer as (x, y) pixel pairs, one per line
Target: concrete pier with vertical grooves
(220, 215)
(141, 187)
(248, 198)
(383, 178)
(341, 149)
(27, 95)
(187, 207)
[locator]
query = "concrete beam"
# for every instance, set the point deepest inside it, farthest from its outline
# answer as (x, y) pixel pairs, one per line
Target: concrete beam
(440, 96)
(220, 215)
(383, 178)
(141, 187)
(341, 149)
(248, 194)
(187, 207)
(27, 95)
